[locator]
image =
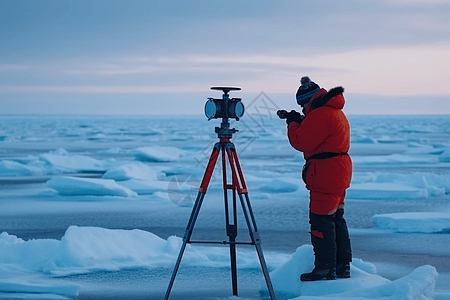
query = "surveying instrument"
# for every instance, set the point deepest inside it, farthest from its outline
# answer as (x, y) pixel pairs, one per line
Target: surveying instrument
(226, 108)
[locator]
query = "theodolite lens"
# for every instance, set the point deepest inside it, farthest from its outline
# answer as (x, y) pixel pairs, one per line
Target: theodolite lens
(216, 108)
(212, 110)
(238, 110)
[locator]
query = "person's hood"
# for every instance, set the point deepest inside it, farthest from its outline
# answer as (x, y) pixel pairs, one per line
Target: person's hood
(333, 98)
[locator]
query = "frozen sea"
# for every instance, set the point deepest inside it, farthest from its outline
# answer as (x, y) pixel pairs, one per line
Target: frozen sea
(94, 207)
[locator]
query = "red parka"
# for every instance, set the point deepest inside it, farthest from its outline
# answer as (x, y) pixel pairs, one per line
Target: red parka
(325, 129)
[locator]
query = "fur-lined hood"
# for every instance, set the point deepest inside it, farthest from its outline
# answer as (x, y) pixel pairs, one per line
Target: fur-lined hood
(333, 98)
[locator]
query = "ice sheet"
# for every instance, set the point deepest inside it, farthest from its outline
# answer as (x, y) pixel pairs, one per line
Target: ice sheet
(396, 159)
(90, 249)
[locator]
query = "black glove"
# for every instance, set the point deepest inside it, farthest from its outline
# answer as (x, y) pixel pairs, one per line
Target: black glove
(282, 113)
(291, 116)
(294, 116)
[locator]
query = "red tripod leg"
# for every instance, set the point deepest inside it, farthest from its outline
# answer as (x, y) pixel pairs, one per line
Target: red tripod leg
(194, 214)
(238, 185)
(236, 171)
(209, 169)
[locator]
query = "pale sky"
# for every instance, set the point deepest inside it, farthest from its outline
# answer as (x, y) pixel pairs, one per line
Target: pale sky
(161, 57)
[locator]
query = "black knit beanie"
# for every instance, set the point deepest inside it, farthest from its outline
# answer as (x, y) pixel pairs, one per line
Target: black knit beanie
(305, 92)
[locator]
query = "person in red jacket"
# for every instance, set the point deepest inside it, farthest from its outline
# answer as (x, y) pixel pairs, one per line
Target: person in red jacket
(323, 135)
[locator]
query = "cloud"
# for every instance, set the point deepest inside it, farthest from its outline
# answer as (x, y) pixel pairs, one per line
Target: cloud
(131, 89)
(407, 70)
(372, 47)
(418, 2)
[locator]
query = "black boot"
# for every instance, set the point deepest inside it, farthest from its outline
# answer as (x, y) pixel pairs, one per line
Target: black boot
(323, 240)
(343, 270)
(344, 251)
(316, 274)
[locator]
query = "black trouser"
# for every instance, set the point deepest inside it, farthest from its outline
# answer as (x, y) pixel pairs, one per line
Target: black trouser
(330, 240)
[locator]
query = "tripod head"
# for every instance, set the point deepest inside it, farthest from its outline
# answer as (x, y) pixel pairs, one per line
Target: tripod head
(224, 108)
(225, 89)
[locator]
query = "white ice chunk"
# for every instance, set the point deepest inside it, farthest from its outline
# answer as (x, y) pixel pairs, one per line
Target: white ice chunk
(374, 190)
(394, 159)
(63, 162)
(445, 156)
(363, 140)
(26, 254)
(435, 184)
(86, 249)
(12, 168)
(59, 151)
(133, 170)
(279, 186)
(41, 289)
(419, 285)
(286, 279)
(424, 222)
(89, 186)
(143, 187)
(157, 154)
(115, 150)
(20, 263)
(6, 239)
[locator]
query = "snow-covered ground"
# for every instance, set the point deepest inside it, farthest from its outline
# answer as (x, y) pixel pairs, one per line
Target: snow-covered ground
(95, 208)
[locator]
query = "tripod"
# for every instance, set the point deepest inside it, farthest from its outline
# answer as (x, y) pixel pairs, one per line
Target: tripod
(229, 154)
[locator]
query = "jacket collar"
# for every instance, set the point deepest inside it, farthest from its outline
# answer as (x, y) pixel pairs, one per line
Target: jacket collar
(333, 98)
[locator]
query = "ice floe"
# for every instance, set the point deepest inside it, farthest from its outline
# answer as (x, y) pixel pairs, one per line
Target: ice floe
(132, 170)
(423, 222)
(363, 284)
(61, 161)
(89, 186)
(390, 185)
(157, 154)
(91, 249)
(13, 168)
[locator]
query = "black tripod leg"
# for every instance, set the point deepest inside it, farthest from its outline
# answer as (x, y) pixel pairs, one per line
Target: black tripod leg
(233, 265)
(231, 224)
(232, 233)
(239, 183)
(265, 270)
(186, 239)
(254, 234)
